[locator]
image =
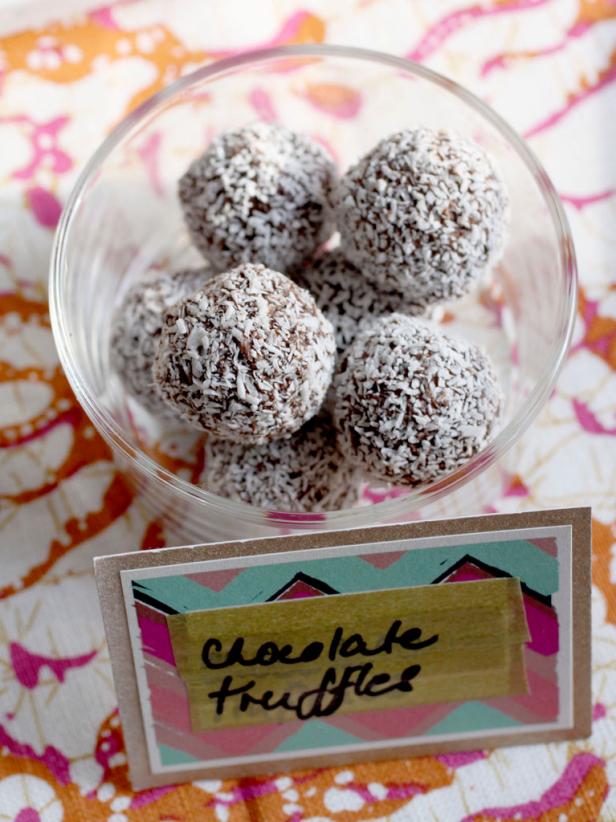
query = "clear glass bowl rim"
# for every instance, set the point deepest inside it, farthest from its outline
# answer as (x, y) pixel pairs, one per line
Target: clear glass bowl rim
(388, 510)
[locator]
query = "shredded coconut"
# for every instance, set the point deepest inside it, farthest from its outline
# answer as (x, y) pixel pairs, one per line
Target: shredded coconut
(256, 362)
(347, 298)
(136, 327)
(260, 194)
(303, 473)
(412, 404)
(424, 211)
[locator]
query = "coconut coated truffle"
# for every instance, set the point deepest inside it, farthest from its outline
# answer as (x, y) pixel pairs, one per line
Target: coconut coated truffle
(303, 473)
(346, 298)
(424, 211)
(412, 404)
(248, 357)
(262, 193)
(136, 327)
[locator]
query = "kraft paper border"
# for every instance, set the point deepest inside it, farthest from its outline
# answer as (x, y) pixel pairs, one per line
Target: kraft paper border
(107, 572)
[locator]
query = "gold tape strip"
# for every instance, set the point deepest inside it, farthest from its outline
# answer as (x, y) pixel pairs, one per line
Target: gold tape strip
(392, 648)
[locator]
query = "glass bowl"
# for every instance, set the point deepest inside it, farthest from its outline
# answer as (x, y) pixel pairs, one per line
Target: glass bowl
(122, 222)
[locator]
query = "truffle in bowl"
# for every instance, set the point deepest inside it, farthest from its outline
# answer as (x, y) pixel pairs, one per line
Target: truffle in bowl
(122, 222)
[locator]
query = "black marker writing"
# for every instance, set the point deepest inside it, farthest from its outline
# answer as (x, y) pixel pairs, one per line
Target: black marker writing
(337, 682)
(270, 653)
(324, 700)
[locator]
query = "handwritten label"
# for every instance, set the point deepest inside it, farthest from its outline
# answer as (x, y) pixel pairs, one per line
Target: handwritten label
(315, 657)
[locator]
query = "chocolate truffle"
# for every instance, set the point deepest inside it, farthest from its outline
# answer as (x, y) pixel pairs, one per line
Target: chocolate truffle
(260, 194)
(412, 404)
(136, 327)
(248, 357)
(346, 298)
(303, 473)
(424, 211)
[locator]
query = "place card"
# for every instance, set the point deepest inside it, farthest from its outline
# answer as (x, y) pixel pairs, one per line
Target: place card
(263, 655)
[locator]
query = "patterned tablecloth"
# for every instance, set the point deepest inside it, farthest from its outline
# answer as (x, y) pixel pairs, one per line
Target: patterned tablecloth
(549, 66)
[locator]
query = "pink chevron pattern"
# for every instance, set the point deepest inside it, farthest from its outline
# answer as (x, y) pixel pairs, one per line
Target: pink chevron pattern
(169, 699)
